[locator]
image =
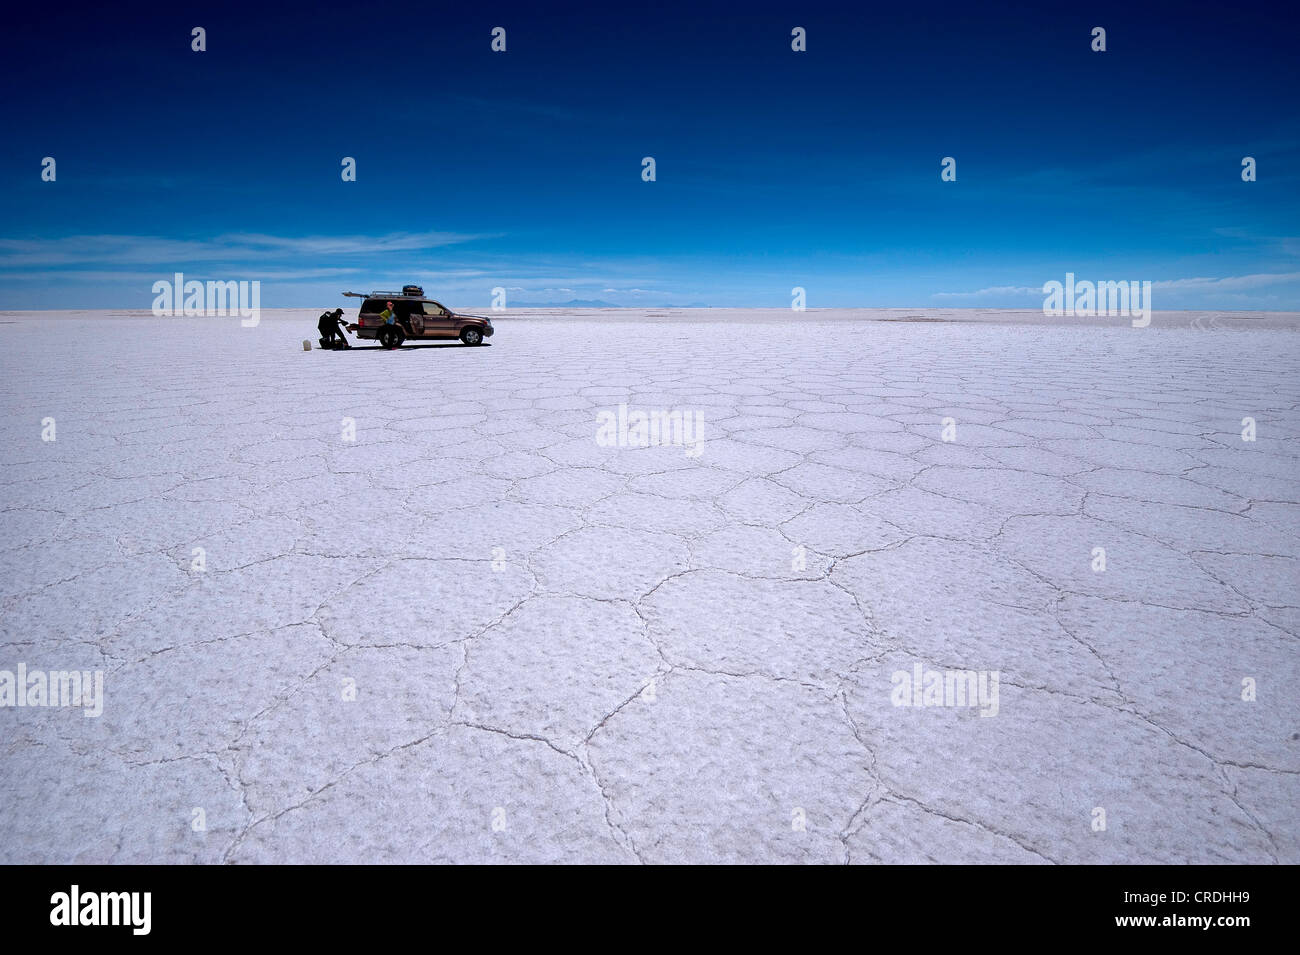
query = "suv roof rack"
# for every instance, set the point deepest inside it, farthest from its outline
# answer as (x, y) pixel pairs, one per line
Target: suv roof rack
(382, 294)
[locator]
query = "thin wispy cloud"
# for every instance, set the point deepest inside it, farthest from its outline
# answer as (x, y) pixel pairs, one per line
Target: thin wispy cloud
(45, 276)
(353, 244)
(164, 253)
(1208, 289)
(1231, 282)
(994, 291)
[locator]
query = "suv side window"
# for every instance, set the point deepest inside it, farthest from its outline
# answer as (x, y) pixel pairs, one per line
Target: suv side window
(372, 306)
(433, 308)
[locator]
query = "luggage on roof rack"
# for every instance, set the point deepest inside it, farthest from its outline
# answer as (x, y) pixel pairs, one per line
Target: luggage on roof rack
(412, 290)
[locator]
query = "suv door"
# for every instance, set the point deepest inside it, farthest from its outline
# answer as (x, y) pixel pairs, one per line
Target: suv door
(438, 322)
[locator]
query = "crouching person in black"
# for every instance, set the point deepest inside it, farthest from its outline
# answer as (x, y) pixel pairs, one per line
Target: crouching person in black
(331, 330)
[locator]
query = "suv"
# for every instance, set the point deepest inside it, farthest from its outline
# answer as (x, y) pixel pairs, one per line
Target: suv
(416, 318)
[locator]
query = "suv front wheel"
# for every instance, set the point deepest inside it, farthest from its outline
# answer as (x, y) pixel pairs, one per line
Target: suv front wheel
(471, 336)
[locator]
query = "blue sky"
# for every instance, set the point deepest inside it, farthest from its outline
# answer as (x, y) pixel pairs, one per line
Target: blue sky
(522, 169)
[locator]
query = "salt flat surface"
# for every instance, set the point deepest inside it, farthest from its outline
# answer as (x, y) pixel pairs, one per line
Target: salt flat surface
(475, 633)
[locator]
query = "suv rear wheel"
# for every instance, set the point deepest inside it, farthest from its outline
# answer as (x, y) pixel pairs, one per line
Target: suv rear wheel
(391, 337)
(471, 336)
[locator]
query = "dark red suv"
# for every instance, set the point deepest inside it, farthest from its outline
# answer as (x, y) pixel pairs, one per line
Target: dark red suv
(415, 317)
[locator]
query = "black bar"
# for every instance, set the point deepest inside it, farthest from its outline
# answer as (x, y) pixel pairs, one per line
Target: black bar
(947, 905)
